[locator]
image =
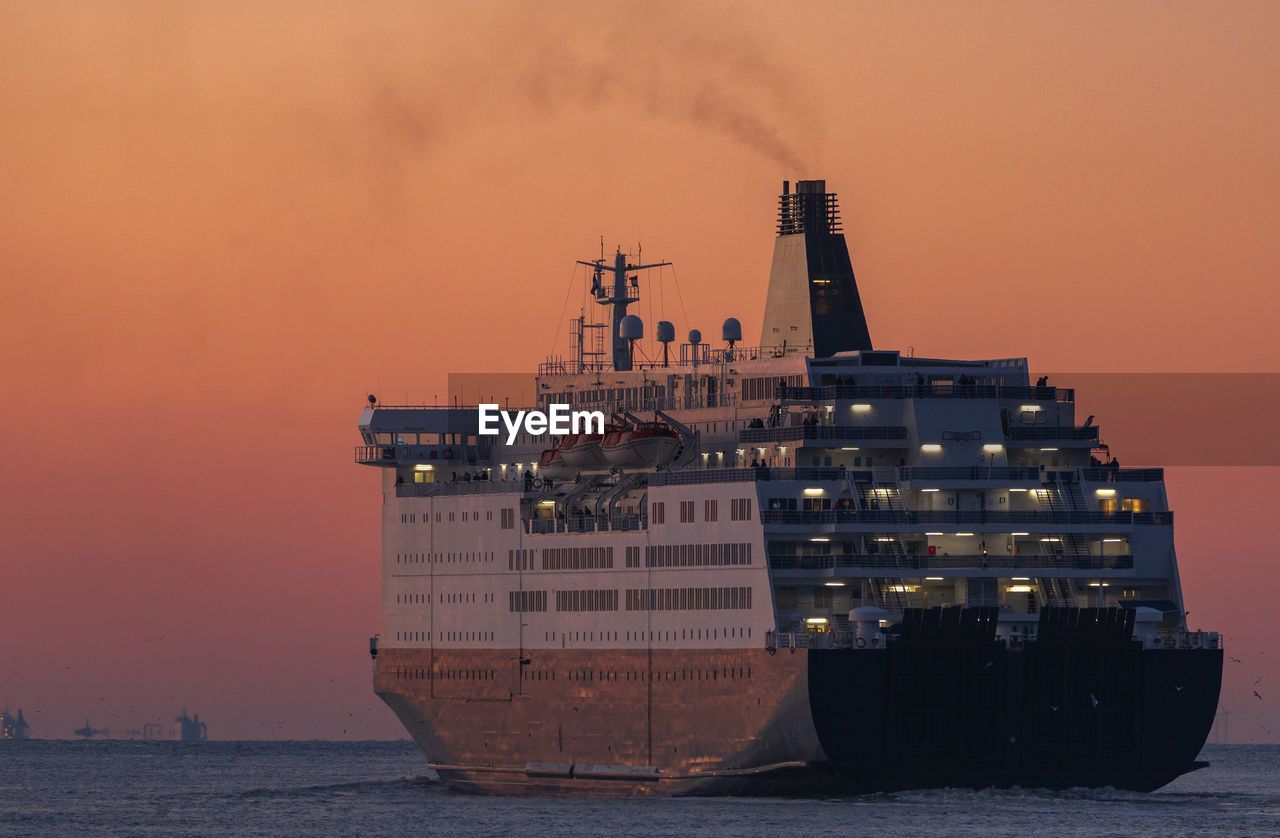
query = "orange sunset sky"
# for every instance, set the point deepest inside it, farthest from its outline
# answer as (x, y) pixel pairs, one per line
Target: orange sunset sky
(223, 224)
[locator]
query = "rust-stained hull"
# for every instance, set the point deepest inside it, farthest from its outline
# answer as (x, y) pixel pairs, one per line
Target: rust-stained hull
(616, 722)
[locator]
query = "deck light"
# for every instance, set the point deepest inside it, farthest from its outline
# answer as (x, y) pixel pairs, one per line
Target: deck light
(1051, 540)
(849, 448)
(1048, 449)
(427, 467)
(933, 579)
(860, 408)
(1099, 584)
(819, 538)
(834, 584)
(1105, 493)
(816, 621)
(1021, 578)
(1019, 589)
(1017, 490)
(1030, 407)
(931, 490)
(813, 492)
(935, 533)
(1113, 540)
(931, 447)
(883, 538)
(993, 448)
(964, 533)
(1019, 533)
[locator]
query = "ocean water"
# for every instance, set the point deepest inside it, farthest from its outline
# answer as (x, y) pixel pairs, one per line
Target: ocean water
(53, 788)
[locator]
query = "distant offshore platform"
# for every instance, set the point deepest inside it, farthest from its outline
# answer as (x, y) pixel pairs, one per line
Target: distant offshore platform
(188, 729)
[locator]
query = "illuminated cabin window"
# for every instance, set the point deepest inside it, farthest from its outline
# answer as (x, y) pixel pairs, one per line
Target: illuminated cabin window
(1113, 505)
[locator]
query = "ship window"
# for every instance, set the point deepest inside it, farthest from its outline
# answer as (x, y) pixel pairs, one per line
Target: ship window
(1134, 505)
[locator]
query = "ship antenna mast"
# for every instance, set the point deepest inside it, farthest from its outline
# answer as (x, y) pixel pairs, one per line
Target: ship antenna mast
(617, 297)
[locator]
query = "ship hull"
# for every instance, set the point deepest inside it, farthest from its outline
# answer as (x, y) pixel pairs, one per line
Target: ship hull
(804, 722)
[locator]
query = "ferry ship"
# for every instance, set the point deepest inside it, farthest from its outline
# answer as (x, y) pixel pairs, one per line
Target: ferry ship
(803, 567)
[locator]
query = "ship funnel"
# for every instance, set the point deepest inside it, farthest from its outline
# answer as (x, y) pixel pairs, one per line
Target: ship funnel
(813, 306)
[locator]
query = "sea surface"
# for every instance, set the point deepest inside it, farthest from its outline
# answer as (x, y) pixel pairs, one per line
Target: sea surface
(122, 788)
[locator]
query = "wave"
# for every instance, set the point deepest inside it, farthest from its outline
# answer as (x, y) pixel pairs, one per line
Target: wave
(418, 783)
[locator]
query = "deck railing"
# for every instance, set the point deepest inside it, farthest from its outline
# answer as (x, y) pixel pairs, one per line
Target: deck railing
(976, 516)
(1052, 432)
(926, 391)
(968, 562)
(821, 432)
(696, 476)
(1022, 473)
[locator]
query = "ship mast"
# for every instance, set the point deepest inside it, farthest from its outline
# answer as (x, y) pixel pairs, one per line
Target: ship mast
(618, 297)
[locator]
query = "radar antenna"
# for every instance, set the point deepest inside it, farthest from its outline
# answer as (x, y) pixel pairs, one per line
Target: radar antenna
(618, 296)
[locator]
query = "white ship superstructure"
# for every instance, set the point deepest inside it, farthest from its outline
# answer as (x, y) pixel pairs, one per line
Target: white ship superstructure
(611, 607)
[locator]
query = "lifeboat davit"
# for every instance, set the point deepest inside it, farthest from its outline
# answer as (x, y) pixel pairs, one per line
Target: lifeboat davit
(648, 445)
(583, 450)
(552, 466)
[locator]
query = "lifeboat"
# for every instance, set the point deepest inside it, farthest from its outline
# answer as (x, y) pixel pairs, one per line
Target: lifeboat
(648, 445)
(552, 466)
(583, 450)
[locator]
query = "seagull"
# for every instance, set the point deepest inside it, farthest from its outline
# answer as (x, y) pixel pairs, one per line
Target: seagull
(1234, 658)
(1267, 729)
(1255, 695)
(1053, 708)
(1259, 681)
(1177, 689)
(1093, 699)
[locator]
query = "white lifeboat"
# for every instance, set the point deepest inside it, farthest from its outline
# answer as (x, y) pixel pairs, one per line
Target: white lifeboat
(583, 450)
(648, 445)
(552, 466)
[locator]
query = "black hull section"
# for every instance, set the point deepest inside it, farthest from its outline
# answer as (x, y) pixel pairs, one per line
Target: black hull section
(961, 709)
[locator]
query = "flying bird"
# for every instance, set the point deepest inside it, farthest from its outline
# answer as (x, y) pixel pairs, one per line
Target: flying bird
(1234, 658)
(1093, 699)
(1267, 729)
(1260, 677)
(1255, 695)
(1177, 689)
(1053, 708)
